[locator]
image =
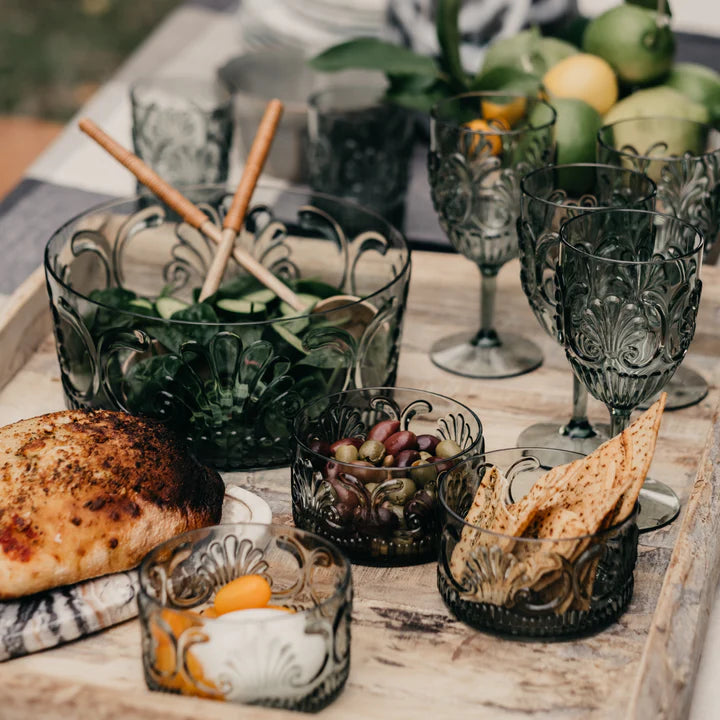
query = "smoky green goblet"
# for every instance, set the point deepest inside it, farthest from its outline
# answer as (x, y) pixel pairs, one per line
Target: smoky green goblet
(481, 144)
(550, 196)
(628, 290)
(685, 164)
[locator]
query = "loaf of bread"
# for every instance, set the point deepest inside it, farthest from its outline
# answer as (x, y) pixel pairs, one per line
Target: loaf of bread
(86, 493)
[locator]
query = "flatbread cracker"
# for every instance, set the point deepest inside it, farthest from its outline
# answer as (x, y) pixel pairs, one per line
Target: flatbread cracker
(639, 440)
(488, 501)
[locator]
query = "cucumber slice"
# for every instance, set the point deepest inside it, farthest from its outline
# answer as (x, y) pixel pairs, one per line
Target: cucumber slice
(282, 330)
(309, 300)
(142, 304)
(241, 306)
(263, 296)
(300, 322)
(168, 306)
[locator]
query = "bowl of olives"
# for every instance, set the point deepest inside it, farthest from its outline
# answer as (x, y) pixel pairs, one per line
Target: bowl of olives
(366, 469)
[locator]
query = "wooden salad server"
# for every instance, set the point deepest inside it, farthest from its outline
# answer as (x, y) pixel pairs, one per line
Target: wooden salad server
(191, 214)
(362, 312)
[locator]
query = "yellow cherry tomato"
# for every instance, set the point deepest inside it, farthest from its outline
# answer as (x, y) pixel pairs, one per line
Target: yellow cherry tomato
(489, 141)
(247, 591)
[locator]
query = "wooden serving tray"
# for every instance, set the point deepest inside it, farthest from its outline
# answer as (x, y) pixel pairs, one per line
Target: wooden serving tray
(410, 658)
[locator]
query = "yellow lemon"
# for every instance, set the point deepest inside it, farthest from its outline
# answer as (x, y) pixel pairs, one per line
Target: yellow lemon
(583, 77)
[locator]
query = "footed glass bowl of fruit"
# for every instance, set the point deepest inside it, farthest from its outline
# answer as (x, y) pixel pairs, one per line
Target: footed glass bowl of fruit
(230, 373)
(366, 469)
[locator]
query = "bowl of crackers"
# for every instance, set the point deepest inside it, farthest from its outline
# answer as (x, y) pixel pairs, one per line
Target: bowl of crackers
(542, 543)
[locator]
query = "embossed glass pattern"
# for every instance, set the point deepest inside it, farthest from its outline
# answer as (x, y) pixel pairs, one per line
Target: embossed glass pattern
(230, 388)
(359, 508)
(182, 129)
(475, 164)
(550, 196)
(686, 168)
(529, 588)
(628, 290)
(297, 661)
(359, 148)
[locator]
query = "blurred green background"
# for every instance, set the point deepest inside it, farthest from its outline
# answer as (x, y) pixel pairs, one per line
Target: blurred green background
(55, 53)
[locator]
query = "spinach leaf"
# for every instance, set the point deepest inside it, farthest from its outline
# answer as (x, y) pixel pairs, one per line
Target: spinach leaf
(146, 379)
(237, 287)
(105, 319)
(172, 335)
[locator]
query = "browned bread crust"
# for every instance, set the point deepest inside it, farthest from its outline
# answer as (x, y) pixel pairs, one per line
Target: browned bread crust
(86, 493)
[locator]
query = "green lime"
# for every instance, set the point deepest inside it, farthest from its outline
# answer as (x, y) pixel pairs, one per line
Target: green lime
(527, 51)
(576, 129)
(656, 133)
(700, 84)
(638, 47)
(660, 100)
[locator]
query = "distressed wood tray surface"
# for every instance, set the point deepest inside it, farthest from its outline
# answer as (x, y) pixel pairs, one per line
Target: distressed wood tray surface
(410, 658)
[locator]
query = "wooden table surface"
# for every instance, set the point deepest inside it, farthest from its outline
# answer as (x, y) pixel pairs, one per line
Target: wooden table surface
(409, 657)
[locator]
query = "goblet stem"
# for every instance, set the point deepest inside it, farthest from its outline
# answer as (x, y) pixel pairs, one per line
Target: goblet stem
(619, 420)
(579, 426)
(486, 336)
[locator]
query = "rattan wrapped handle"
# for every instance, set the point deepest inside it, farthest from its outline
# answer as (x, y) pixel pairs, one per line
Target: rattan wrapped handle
(189, 212)
(146, 175)
(236, 214)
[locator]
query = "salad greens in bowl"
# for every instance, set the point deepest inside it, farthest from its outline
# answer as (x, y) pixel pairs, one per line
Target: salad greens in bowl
(227, 374)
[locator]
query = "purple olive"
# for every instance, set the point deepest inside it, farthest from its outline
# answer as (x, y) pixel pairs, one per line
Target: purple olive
(427, 443)
(405, 458)
(387, 520)
(365, 471)
(344, 512)
(320, 447)
(342, 493)
(383, 430)
(403, 440)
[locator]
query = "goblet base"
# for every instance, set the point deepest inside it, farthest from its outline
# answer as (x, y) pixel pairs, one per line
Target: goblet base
(659, 506)
(582, 438)
(685, 388)
(510, 355)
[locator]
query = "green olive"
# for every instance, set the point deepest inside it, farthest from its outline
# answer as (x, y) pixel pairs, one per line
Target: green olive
(346, 454)
(423, 473)
(425, 455)
(404, 493)
(399, 511)
(447, 448)
(373, 451)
